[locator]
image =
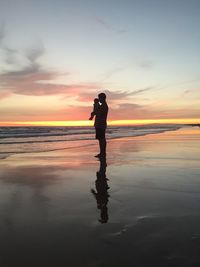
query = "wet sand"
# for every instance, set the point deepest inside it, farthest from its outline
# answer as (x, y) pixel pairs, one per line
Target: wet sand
(139, 207)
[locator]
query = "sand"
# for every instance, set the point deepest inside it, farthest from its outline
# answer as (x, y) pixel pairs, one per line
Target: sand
(58, 209)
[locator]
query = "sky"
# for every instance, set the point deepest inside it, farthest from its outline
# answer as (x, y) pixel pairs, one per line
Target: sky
(57, 56)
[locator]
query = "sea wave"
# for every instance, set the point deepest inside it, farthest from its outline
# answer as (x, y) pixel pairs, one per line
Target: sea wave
(40, 139)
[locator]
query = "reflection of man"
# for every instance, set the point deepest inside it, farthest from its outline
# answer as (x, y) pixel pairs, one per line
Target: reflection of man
(101, 193)
(101, 124)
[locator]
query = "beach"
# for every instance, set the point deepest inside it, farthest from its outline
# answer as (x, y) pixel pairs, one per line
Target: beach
(138, 207)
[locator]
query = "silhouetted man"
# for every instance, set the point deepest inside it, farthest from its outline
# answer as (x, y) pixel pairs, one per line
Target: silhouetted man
(101, 124)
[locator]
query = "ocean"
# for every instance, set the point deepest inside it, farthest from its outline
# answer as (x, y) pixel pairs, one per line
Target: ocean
(40, 139)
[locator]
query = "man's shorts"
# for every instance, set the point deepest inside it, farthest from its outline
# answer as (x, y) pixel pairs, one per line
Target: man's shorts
(100, 133)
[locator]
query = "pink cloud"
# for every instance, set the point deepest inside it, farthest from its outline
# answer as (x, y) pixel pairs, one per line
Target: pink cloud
(135, 111)
(122, 112)
(35, 80)
(4, 94)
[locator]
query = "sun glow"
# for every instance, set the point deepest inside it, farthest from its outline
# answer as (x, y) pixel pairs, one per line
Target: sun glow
(91, 123)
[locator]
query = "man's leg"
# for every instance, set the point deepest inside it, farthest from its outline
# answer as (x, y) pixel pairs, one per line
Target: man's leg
(99, 146)
(102, 144)
(100, 135)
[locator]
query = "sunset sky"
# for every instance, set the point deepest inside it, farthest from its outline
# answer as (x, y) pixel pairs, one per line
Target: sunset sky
(56, 56)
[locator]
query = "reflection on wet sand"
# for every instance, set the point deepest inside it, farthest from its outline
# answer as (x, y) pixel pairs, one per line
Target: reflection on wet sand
(25, 198)
(101, 193)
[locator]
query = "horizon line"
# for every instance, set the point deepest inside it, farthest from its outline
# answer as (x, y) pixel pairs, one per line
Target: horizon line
(91, 123)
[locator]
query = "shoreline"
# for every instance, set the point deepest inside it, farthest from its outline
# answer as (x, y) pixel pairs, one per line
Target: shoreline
(6, 154)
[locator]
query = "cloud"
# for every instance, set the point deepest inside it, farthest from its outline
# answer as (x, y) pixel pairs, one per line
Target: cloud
(4, 94)
(129, 106)
(17, 76)
(35, 53)
(121, 31)
(29, 81)
(175, 113)
(42, 113)
(118, 95)
(113, 97)
(183, 83)
(113, 71)
(133, 111)
(146, 64)
(140, 91)
(77, 112)
(86, 96)
(104, 24)
(107, 26)
(2, 33)
(121, 95)
(9, 53)
(192, 91)
(127, 111)
(34, 80)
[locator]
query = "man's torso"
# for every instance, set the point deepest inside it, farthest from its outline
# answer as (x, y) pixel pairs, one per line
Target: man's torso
(101, 116)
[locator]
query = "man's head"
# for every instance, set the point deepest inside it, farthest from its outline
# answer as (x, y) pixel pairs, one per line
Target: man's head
(102, 97)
